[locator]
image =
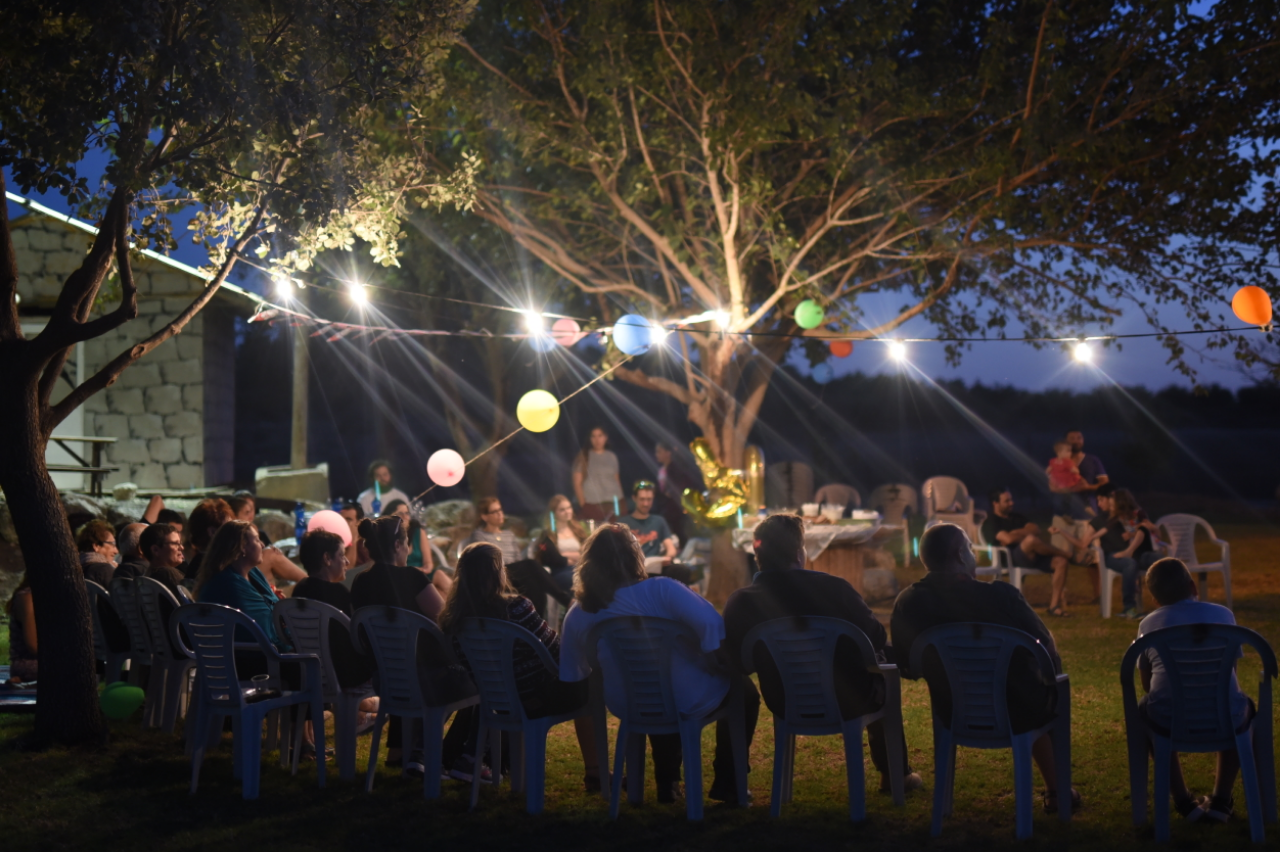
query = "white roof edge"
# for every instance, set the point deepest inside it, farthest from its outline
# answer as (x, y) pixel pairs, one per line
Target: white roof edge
(37, 207)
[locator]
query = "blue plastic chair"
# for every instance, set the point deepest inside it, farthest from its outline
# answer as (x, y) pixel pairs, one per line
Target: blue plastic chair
(1199, 660)
(643, 647)
(976, 659)
(112, 660)
(804, 651)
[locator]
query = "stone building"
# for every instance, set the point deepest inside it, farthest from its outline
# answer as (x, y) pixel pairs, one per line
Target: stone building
(173, 412)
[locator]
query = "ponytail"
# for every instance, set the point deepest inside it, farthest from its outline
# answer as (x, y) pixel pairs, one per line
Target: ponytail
(381, 535)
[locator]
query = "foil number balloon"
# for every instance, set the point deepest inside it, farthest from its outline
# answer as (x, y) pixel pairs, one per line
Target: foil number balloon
(726, 492)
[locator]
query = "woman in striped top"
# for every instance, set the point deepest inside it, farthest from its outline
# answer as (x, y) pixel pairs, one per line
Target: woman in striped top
(481, 590)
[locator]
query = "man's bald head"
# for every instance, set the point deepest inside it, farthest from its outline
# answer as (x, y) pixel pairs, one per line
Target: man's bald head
(946, 548)
(127, 541)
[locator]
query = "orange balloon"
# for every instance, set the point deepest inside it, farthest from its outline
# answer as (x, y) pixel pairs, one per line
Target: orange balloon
(841, 348)
(1252, 305)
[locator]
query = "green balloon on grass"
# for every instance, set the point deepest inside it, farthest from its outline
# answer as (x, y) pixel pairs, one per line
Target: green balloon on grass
(809, 314)
(120, 701)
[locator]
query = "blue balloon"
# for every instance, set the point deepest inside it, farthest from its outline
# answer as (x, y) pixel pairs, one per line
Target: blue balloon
(822, 373)
(633, 334)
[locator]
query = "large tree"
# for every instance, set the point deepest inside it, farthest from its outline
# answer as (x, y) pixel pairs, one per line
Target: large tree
(259, 113)
(1022, 167)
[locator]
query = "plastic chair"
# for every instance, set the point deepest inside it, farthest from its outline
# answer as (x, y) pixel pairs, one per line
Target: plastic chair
(113, 660)
(838, 494)
(1180, 537)
(1106, 580)
(124, 597)
(307, 624)
(976, 659)
(391, 637)
(1199, 660)
(1000, 557)
(946, 499)
(642, 647)
(170, 673)
(211, 630)
(804, 650)
(892, 502)
(489, 645)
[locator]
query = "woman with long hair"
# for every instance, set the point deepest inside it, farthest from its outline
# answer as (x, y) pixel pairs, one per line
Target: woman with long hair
(611, 582)
(23, 643)
(202, 525)
(229, 576)
(419, 547)
(560, 545)
(481, 590)
(596, 481)
(528, 576)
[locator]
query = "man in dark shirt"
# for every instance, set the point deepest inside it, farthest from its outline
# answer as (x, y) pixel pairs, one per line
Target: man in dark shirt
(950, 594)
(1006, 528)
(652, 531)
(133, 561)
(784, 589)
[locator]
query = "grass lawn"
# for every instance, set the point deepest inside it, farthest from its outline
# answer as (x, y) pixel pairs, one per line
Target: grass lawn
(133, 795)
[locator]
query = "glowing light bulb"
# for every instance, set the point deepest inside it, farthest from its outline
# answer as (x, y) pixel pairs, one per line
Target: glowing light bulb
(533, 321)
(722, 318)
(284, 286)
(359, 293)
(897, 350)
(660, 334)
(1083, 352)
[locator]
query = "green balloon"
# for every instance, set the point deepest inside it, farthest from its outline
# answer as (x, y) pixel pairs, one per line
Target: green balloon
(809, 314)
(120, 701)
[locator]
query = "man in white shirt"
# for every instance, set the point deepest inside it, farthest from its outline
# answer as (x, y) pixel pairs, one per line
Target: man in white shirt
(382, 489)
(1170, 583)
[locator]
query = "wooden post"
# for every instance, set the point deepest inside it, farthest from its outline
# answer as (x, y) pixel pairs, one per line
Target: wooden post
(301, 378)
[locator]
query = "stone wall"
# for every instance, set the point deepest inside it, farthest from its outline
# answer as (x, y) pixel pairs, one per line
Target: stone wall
(156, 410)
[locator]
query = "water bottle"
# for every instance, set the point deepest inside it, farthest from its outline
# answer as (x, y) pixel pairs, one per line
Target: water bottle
(337, 504)
(299, 521)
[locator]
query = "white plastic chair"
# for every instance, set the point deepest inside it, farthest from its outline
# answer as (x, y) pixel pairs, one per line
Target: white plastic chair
(1180, 538)
(170, 679)
(211, 630)
(692, 555)
(643, 647)
(124, 597)
(839, 494)
(892, 502)
(307, 624)
(804, 651)
(976, 660)
(1199, 660)
(489, 646)
(113, 661)
(1106, 579)
(390, 636)
(947, 499)
(1000, 557)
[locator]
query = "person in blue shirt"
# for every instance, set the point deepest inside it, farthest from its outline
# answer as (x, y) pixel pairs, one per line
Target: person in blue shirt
(229, 576)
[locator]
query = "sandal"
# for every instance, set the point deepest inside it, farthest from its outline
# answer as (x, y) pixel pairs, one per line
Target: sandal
(1051, 801)
(1192, 809)
(1059, 612)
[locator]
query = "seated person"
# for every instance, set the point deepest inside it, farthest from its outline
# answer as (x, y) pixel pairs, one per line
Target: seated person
(526, 575)
(1006, 528)
(419, 547)
(96, 542)
(561, 544)
(784, 589)
(657, 542)
(950, 593)
(23, 641)
(162, 546)
(481, 590)
(133, 560)
(173, 518)
(611, 582)
(1123, 551)
(206, 519)
(274, 565)
(381, 490)
(357, 556)
(229, 576)
(1175, 591)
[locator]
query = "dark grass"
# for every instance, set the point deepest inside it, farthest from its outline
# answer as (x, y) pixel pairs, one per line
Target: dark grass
(133, 794)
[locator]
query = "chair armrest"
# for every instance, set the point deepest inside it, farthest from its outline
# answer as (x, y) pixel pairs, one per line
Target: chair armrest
(310, 667)
(1226, 550)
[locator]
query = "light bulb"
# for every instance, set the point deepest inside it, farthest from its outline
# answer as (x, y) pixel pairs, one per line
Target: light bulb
(722, 318)
(1083, 352)
(897, 350)
(359, 293)
(284, 286)
(533, 321)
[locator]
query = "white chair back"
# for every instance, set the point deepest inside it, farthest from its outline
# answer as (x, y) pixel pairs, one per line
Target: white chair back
(1180, 534)
(837, 494)
(893, 500)
(306, 623)
(489, 647)
(390, 636)
(945, 495)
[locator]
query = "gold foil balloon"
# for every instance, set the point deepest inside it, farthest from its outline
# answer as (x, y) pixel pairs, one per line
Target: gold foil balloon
(726, 492)
(754, 459)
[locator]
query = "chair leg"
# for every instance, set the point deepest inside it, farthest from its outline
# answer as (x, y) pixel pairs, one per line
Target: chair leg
(299, 714)
(481, 732)
(516, 747)
(250, 747)
(691, 746)
(344, 735)
(378, 721)
(1022, 785)
(1162, 750)
(615, 783)
(600, 724)
(1226, 582)
(199, 739)
(155, 697)
(432, 750)
(855, 771)
(535, 766)
(943, 754)
(1252, 796)
(1264, 761)
(1136, 736)
(780, 749)
(789, 779)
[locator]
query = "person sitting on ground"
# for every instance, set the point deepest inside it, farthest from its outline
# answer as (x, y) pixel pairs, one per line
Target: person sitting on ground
(560, 544)
(950, 593)
(1007, 528)
(526, 575)
(481, 590)
(206, 519)
(97, 544)
(229, 576)
(23, 642)
(1174, 589)
(611, 582)
(163, 548)
(380, 474)
(784, 589)
(1123, 554)
(133, 560)
(420, 547)
(275, 566)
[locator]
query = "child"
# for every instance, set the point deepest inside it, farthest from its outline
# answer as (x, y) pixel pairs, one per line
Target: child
(1064, 475)
(1123, 549)
(1171, 584)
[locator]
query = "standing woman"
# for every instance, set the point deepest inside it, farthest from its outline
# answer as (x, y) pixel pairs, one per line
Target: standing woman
(22, 633)
(596, 483)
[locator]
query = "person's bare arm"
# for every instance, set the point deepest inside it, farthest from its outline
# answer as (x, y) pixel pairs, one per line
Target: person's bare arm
(668, 549)
(578, 476)
(154, 505)
(1138, 536)
(430, 603)
(443, 583)
(424, 542)
(280, 568)
(27, 608)
(1008, 539)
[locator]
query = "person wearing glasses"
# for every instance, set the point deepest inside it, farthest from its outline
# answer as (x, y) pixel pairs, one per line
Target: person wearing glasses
(529, 578)
(97, 545)
(657, 541)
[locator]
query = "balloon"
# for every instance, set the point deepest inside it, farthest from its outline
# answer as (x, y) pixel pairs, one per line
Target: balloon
(120, 700)
(822, 373)
(633, 334)
(566, 331)
(538, 411)
(753, 459)
(446, 467)
(726, 492)
(841, 348)
(1252, 305)
(330, 521)
(809, 314)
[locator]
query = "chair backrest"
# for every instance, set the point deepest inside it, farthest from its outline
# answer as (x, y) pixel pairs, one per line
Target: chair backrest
(1199, 660)
(943, 494)
(804, 651)
(306, 623)
(838, 494)
(150, 594)
(97, 597)
(893, 500)
(788, 484)
(642, 648)
(391, 635)
(124, 597)
(207, 633)
(489, 646)
(695, 548)
(1180, 532)
(976, 658)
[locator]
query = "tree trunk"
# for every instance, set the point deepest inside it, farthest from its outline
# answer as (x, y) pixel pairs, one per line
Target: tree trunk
(728, 568)
(67, 700)
(482, 475)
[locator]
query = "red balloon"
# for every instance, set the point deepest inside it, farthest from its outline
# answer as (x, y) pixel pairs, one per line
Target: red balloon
(841, 348)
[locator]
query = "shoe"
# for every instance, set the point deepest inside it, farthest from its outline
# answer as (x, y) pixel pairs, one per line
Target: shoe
(728, 794)
(591, 783)
(910, 781)
(414, 767)
(1192, 809)
(463, 770)
(365, 721)
(1059, 612)
(1051, 801)
(669, 793)
(1131, 613)
(309, 752)
(1218, 808)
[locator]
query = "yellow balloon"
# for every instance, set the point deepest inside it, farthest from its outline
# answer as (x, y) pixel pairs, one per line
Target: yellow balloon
(538, 411)
(726, 492)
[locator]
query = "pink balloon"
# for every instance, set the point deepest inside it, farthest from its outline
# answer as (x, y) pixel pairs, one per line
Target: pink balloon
(446, 467)
(330, 521)
(566, 331)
